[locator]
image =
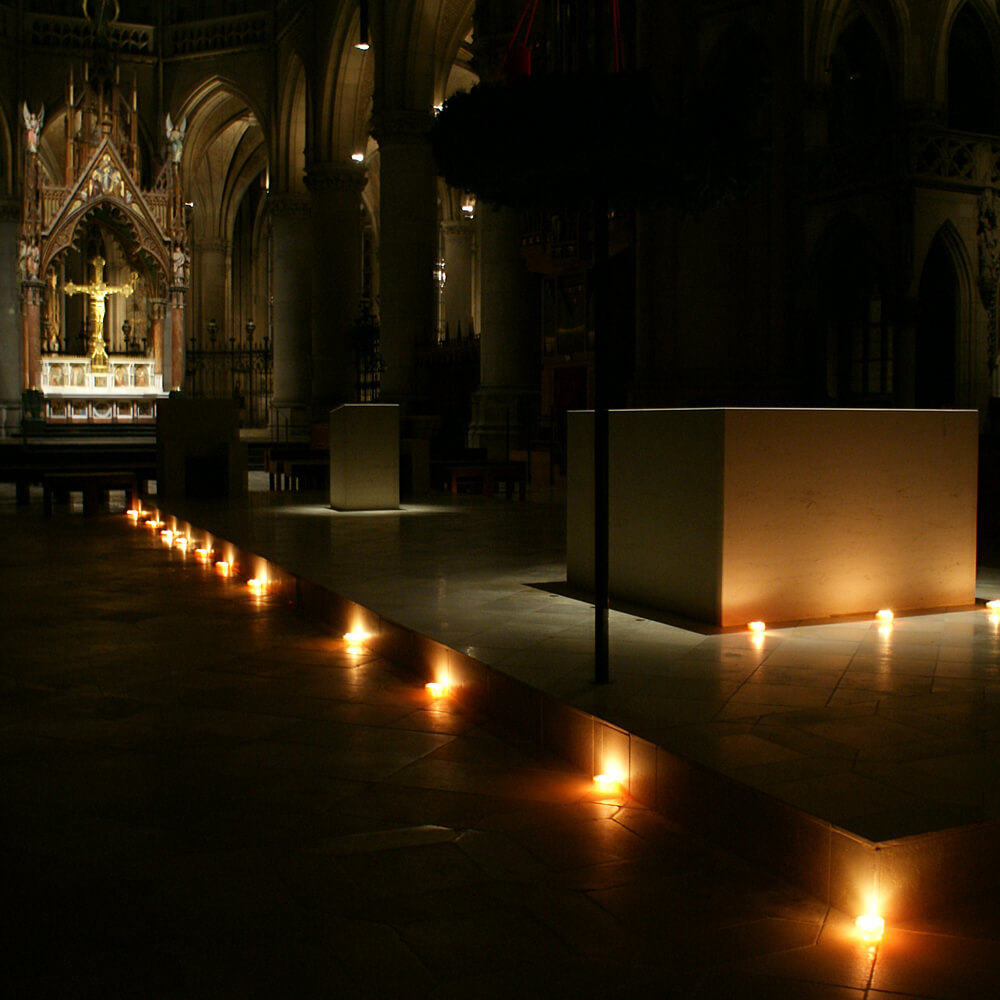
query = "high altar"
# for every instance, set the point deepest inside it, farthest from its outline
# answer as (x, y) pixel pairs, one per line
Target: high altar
(102, 258)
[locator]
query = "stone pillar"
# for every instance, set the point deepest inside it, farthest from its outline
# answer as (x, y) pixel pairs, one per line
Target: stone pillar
(408, 251)
(10, 332)
(211, 261)
(504, 407)
(291, 250)
(458, 285)
(177, 338)
(31, 327)
(160, 366)
(335, 209)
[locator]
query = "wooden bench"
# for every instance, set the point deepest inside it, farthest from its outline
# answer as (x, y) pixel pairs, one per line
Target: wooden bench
(484, 477)
(91, 484)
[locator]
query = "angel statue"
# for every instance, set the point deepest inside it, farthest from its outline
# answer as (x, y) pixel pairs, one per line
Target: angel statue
(175, 138)
(32, 126)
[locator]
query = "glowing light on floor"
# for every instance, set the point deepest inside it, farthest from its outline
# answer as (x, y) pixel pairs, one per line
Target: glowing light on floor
(436, 689)
(204, 554)
(133, 515)
(153, 524)
(757, 626)
(256, 585)
(223, 568)
(993, 605)
(167, 536)
(885, 616)
(182, 541)
(355, 640)
(870, 926)
(607, 784)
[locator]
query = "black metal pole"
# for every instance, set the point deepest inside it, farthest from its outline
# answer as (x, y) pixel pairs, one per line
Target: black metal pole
(602, 673)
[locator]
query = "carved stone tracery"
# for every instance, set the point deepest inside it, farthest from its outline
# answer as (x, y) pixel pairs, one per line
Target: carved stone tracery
(100, 188)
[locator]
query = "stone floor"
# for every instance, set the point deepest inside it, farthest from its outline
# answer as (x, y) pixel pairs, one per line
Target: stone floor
(884, 732)
(205, 795)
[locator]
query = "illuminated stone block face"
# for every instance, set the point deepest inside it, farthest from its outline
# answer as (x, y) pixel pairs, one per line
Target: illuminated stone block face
(364, 457)
(731, 515)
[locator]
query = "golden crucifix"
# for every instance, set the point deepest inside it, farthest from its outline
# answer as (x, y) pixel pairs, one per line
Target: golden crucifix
(98, 292)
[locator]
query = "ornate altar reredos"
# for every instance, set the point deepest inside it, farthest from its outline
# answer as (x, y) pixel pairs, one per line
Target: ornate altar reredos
(102, 257)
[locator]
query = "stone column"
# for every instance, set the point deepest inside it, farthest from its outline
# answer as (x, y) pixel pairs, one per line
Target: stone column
(160, 366)
(291, 311)
(31, 330)
(10, 333)
(504, 407)
(458, 285)
(177, 337)
(408, 250)
(335, 208)
(211, 259)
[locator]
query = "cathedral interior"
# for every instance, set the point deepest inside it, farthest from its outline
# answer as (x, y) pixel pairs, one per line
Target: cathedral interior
(802, 210)
(491, 214)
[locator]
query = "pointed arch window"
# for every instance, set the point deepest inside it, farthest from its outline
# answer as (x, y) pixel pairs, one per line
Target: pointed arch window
(870, 351)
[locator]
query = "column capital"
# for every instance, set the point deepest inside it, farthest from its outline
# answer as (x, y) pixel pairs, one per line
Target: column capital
(322, 177)
(31, 291)
(403, 125)
(288, 203)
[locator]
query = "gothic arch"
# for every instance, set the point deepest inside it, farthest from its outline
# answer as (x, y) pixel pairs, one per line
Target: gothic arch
(851, 288)
(225, 152)
(889, 19)
(950, 10)
(129, 229)
(943, 337)
(345, 94)
(224, 134)
(291, 139)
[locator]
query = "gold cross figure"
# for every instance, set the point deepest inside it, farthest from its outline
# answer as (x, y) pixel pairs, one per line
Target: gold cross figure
(98, 292)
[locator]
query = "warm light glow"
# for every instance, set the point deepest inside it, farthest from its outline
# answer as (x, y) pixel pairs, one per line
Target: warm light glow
(256, 585)
(436, 689)
(133, 515)
(154, 524)
(354, 640)
(358, 157)
(884, 615)
(870, 926)
(607, 784)
(993, 605)
(468, 208)
(182, 541)
(168, 536)
(362, 46)
(224, 568)
(204, 554)
(757, 626)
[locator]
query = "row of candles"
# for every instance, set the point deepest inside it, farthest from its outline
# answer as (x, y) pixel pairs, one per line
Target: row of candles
(870, 925)
(611, 782)
(885, 618)
(354, 640)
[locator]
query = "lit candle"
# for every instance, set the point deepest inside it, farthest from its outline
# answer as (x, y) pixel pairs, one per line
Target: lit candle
(870, 926)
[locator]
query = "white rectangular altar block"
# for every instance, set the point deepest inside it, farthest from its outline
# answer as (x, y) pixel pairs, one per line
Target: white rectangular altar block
(364, 457)
(732, 515)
